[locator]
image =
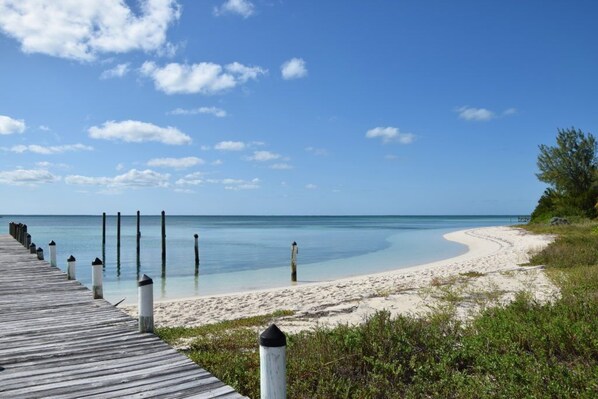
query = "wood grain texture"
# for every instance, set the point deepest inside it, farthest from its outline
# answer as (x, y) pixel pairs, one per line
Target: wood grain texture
(56, 341)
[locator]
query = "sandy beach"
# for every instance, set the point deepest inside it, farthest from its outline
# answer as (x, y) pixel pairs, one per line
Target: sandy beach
(488, 274)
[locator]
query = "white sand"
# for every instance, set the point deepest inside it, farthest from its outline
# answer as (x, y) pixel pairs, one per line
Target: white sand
(494, 252)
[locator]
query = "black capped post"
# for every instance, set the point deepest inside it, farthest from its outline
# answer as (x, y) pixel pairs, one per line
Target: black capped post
(138, 235)
(104, 236)
(40, 253)
(71, 268)
(32, 248)
(52, 247)
(28, 240)
(294, 252)
(145, 305)
(96, 279)
(273, 382)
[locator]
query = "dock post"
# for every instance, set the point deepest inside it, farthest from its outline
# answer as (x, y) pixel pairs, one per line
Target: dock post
(27, 240)
(163, 239)
(138, 234)
(145, 304)
(23, 238)
(52, 247)
(118, 232)
(96, 279)
(103, 232)
(40, 253)
(273, 345)
(196, 236)
(32, 248)
(71, 268)
(294, 252)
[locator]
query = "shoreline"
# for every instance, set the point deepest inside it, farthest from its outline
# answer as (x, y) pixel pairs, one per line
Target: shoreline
(491, 262)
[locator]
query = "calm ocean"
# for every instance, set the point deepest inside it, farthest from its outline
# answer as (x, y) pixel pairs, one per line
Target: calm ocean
(240, 253)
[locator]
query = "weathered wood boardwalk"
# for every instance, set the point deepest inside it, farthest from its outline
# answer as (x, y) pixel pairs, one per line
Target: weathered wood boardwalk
(58, 342)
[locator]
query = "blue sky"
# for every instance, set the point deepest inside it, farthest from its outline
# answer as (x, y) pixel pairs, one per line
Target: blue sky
(288, 107)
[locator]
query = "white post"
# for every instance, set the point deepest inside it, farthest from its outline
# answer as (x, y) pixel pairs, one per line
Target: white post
(71, 267)
(145, 305)
(273, 345)
(40, 253)
(96, 279)
(52, 246)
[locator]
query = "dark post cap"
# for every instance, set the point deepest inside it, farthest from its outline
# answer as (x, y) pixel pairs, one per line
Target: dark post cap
(40, 249)
(32, 245)
(272, 337)
(96, 262)
(71, 259)
(52, 243)
(144, 280)
(294, 243)
(195, 235)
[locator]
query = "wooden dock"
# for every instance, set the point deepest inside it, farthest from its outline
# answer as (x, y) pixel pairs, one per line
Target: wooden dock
(58, 342)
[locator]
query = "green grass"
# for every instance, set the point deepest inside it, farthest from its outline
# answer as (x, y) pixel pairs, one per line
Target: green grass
(524, 350)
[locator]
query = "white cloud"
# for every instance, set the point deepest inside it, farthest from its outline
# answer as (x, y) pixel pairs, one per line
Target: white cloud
(175, 163)
(132, 179)
(317, 151)
(44, 128)
(243, 8)
(21, 177)
(390, 134)
(281, 166)
(263, 156)
(137, 132)
(509, 111)
(117, 72)
(236, 184)
(217, 162)
(230, 146)
(203, 78)
(475, 114)
(293, 69)
(9, 125)
(311, 186)
(82, 31)
(217, 112)
(56, 149)
(193, 179)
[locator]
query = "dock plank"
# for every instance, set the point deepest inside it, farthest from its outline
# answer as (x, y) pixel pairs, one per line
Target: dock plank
(57, 341)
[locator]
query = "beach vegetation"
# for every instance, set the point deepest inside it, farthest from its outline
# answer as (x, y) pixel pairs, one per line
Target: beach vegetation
(571, 170)
(522, 350)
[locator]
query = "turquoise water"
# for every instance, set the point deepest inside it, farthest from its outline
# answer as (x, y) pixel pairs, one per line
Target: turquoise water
(240, 253)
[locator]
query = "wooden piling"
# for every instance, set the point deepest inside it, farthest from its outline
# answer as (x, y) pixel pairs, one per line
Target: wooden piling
(294, 252)
(27, 240)
(273, 382)
(96, 279)
(71, 268)
(138, 235)
(40, 253)
(163, 239)
(145, 305)
(103, 229)
(52, 247)
(196, 236)
(32, 248)
(118, 232)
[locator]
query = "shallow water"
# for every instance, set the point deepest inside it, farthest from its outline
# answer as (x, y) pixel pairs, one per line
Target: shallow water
(240, 253)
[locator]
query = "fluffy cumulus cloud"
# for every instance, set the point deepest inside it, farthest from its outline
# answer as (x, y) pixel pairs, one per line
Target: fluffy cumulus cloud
(132, 179)
(49, 150)
(237, 184)
(138, 132)
(9, 125)
(175, 163)
(217, 112)
(83, 30)
(263, 156)
(475, 114)
(29, 177)
(281, 166)
(243, 8)
(293, 69)
(192, 179)
(202, 78)
(230, 146)
(389, 135)
(117, 72)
